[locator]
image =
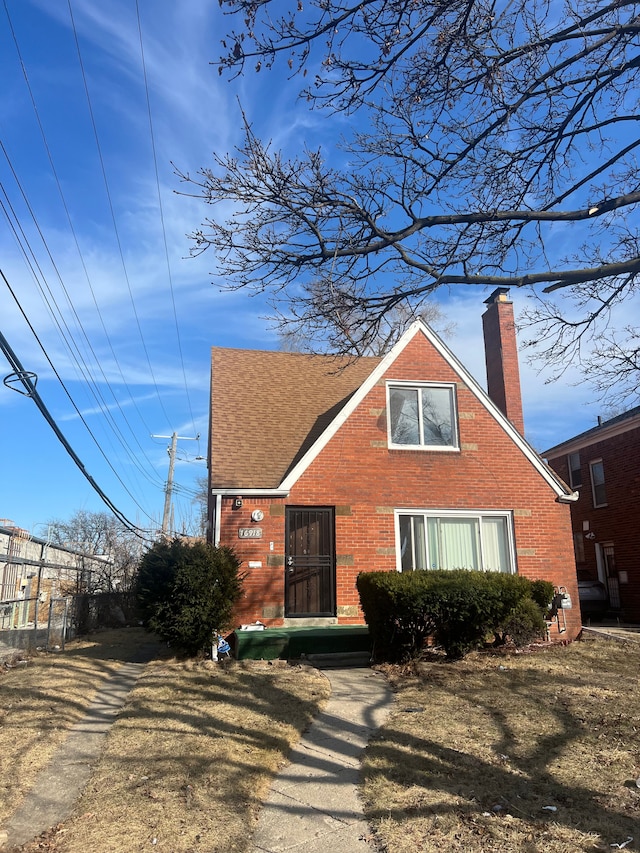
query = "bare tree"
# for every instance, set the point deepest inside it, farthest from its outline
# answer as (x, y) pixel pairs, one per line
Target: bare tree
(200, 501)
(331, 334)
(494, 143)
(101, 534)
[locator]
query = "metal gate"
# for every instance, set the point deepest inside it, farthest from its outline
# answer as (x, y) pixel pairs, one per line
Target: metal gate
(310, 562)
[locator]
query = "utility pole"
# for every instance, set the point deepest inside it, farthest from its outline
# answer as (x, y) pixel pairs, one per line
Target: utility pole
(171, 450)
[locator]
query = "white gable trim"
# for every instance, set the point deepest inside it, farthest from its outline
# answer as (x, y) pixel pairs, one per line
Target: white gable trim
(558, 486)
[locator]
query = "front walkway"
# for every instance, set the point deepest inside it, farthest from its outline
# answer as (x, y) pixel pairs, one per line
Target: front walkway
(314, 804)
(59, 784)
(613, 631)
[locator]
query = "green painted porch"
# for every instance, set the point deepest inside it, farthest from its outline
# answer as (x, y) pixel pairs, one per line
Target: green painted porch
(296, 643)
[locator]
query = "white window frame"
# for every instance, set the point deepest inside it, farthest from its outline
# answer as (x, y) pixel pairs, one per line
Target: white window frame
(478, 514)
(418, 386)
(593, 463)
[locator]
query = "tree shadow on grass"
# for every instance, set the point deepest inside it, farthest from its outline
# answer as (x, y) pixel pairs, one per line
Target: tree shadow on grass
(192, 754)
(527, 731)
(126, 645)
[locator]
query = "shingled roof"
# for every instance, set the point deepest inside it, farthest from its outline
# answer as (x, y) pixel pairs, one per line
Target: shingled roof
(268, 407)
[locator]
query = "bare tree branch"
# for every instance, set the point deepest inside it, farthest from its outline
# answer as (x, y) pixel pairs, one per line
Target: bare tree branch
(494, 143)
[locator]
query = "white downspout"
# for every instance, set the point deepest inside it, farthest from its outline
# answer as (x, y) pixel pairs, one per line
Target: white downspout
(217, 520)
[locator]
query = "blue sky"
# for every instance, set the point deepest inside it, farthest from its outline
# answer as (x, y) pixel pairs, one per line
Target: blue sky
(93, 245)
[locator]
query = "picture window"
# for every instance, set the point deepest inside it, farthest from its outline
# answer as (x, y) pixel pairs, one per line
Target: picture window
(441, 540)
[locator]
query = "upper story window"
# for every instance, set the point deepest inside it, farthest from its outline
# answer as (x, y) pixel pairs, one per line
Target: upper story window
(597, 483)
(422, 416)
(575, 471)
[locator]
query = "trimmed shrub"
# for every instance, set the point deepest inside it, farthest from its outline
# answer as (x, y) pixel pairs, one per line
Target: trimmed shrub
(398, 611)
(524, 624)
(186, 591)
(458, 609)
(542, 593)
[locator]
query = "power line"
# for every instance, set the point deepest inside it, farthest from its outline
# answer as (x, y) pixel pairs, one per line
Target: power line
(55, 310)
(26, 379)
(111, 209)
(75, 238)
(59, 378)
(83, 367)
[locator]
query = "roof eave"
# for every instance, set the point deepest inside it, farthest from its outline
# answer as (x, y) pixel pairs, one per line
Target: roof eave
(239, 491)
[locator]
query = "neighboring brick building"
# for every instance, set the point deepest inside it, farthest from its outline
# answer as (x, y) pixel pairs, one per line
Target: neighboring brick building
(324, 467)
(603, 465)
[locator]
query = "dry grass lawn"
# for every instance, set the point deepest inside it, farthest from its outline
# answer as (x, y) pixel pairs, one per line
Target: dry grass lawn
(189, 759)
(526, 752)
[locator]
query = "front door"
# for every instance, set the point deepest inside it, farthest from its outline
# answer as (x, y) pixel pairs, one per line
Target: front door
(310, 562)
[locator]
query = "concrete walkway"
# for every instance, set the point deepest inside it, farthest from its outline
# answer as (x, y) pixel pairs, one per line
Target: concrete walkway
(622, 633)
(60, 783)
(314, 804)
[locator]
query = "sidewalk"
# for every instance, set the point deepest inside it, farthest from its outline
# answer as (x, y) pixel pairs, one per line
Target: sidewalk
(59, 784)
(314, 804)
(613, 631)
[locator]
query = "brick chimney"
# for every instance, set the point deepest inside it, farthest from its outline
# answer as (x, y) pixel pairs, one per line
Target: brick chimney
(501, 356)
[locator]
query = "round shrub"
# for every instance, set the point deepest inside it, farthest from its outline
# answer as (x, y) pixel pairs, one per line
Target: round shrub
(458, 609)
(187, 591)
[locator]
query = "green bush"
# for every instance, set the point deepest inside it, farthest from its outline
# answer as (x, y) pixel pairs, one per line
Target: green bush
(397, 611)
(542, 593)
(524, 624)
(458, 609)
(188, 590)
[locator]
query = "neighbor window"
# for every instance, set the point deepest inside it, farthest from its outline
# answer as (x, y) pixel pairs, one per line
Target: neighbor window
(422, 416)
(575, 472)
(451, 540)
(578, 547)
(597, 483)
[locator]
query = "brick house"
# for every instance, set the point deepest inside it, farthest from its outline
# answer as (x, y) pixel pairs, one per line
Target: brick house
(323, 467)
(603, 466)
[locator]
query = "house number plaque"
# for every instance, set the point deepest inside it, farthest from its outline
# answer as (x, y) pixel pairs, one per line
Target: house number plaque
(249, 533)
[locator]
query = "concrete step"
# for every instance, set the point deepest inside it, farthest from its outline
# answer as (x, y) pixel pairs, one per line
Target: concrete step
(339, 660)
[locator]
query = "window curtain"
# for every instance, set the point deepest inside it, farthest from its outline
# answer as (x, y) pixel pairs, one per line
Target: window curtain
(494, 545)
(454, 543)
(431, 542)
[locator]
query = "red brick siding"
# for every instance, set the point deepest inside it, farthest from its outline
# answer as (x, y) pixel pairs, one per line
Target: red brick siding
(619, 521)
(357, 470)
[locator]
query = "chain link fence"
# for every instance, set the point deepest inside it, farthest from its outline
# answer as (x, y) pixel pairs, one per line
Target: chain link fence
(30, 623)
